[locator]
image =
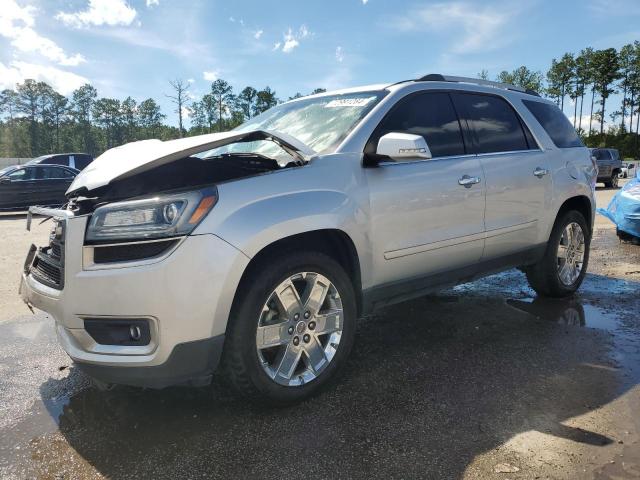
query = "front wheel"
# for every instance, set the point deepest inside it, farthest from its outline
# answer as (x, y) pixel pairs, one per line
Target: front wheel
(564, 265)
(291, 328)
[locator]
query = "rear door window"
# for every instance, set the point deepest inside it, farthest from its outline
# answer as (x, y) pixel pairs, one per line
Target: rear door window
(555, 123)
(493, 122)
(82, 161)
(54, 173)
(430, 115)
(58, 160)
(601, 154)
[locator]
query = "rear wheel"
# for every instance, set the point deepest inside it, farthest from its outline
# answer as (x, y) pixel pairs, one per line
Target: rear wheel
(291, 328)
(613, 181)
(564, 265)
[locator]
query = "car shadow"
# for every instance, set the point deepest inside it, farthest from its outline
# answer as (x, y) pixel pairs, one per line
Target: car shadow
(431, 384)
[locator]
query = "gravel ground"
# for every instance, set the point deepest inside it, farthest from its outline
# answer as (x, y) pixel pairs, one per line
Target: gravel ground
(480, 381)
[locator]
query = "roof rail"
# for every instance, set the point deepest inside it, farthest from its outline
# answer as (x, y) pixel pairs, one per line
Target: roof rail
(436, 77)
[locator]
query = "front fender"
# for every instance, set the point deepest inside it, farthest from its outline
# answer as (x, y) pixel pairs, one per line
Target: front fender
(256, 225)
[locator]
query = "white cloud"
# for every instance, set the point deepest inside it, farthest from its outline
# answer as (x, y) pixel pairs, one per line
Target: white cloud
(364, 2)
(339, 54)
(476, 28)
(290, 42)
(100, 12)
(153, 3)
(61, 80)
(190, 80)
(210, 76)
(17, 24)
(258, 34)
(28, 40)
(291, 39)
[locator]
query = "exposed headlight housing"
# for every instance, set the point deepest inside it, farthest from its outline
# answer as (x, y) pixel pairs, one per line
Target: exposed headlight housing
(156, 217)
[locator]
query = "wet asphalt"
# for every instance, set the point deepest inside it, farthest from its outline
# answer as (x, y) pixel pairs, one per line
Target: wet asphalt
(454, 385)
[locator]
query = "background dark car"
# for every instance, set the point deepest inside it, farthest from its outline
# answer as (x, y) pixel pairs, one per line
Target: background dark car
(73, 160)
(22, 186)
(609, 165)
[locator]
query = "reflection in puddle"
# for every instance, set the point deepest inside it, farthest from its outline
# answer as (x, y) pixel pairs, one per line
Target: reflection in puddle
(570, 312)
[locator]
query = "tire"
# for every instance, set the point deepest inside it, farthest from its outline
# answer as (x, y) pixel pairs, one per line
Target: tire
(260, 374)
(612, 182)
(547, 277)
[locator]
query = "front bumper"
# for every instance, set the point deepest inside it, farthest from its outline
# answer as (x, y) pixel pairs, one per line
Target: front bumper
(185, 296)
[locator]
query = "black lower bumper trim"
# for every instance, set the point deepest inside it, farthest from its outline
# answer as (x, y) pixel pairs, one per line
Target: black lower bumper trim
(190, 363)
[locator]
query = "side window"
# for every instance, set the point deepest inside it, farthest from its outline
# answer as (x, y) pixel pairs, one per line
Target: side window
(602, 154)
(56, 160)
(82, 161)
(493, 121)
(23, 174)
(50, 173)
(555, 123)
(430, 115)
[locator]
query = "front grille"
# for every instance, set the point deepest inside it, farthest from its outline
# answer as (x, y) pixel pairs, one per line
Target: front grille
(50, 274)
(56, 250)
(48, 264)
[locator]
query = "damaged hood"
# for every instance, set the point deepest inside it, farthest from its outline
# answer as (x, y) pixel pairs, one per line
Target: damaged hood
(134, 158)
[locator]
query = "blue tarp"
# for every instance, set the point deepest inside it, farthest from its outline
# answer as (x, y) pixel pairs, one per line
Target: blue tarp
(624, 208)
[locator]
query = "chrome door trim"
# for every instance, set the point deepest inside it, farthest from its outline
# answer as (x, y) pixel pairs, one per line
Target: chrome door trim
(427, 247)
(391, 163)
(510, 152)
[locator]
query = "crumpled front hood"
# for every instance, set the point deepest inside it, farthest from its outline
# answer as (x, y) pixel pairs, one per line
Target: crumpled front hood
(137, 157)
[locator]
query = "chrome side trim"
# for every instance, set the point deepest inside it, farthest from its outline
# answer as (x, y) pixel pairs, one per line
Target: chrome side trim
(422, 160)
(427, 247)
(511, 152)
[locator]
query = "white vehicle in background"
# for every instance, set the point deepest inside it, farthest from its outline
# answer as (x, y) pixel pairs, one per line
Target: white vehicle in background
(256, 250)
(628, 170)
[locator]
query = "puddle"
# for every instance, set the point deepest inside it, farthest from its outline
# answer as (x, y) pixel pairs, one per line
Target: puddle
(621, 324)
(569, 312)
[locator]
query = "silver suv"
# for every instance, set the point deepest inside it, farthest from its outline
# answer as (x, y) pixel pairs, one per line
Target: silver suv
(253, 252)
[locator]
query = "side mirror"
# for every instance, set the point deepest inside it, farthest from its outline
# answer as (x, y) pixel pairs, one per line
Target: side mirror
(5, 180)
(403, 147)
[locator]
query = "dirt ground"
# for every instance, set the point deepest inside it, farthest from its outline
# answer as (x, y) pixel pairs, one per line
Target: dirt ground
(482, 381)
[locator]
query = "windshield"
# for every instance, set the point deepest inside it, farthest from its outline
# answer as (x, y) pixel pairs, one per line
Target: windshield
(321, 123)
(6, 170)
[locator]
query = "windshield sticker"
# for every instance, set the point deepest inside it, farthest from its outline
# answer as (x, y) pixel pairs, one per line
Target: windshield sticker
(349, 102)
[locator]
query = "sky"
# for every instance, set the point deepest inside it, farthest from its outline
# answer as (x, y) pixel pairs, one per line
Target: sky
(134, 47)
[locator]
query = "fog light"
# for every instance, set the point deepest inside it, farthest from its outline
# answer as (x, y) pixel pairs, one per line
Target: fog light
(119, 331)
(134, 333)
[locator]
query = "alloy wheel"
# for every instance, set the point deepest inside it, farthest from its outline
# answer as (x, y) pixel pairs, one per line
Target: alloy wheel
(570, 254)
(299, 329)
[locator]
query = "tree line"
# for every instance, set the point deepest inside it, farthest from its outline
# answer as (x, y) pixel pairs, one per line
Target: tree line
(581, 84)
(35, 119)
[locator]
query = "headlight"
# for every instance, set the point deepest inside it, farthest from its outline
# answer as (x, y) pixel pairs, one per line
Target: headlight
(157, 217)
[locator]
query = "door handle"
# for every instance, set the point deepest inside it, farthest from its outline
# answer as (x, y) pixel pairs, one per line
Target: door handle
(467, 181)
(540, 172)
